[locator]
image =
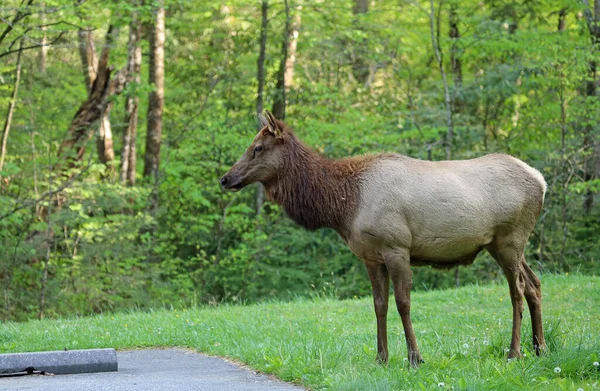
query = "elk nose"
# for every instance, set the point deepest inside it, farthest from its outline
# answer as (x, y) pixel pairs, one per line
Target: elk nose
(224, 181)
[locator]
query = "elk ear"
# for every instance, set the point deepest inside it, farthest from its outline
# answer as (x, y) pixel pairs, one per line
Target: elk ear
(273, 125)
(262, 121)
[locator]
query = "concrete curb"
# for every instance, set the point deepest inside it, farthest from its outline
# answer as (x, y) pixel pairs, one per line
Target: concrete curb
(60, 362)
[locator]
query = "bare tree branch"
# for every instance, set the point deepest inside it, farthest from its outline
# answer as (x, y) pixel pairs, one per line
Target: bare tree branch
(34, 46)
(19, 16)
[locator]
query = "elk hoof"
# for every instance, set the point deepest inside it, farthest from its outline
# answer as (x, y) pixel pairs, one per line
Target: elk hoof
(541, 350)
(416, 360)
(382, 359)
(514, 354)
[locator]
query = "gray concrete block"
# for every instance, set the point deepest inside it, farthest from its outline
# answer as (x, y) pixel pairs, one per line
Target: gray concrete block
(60, 362)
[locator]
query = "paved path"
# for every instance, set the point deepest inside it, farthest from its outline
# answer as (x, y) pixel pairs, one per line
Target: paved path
(155, 370)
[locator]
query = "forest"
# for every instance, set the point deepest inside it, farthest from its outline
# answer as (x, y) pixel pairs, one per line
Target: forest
(119, 117)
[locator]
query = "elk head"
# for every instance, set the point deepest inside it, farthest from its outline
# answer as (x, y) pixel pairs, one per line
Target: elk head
(263, 158)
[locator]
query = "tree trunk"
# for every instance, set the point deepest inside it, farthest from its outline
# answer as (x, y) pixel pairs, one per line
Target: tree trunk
(104, 142)
(542, 232)
(440, 61)
(563, 152)
(280, 96)
(43, 51)
(157, 96)
(134, 61)
(360, 7)
(260, 189)
(589, 166)
(455, 60)
(292, 47)
(562, 18)
(73, 147)
(49, 239)
(11, 106)
(360, 67)
(87, 53)
(261, 60)
(44, 41)
(89, 62)
(46, 261)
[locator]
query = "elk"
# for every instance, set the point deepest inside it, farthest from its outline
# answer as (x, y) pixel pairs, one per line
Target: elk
(395, 212)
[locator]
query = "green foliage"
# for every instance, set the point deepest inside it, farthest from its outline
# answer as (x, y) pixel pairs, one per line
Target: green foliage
(106, 246)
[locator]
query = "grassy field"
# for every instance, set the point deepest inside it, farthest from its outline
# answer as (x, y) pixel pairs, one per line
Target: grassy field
(325, 344)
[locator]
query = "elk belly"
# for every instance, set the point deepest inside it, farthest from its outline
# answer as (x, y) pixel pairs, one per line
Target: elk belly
(447, 251)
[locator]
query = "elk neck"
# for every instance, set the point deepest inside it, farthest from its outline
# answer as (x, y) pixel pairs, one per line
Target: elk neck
(317, 192)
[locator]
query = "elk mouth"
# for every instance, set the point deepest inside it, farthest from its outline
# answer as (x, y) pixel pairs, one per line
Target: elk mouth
(237, 187)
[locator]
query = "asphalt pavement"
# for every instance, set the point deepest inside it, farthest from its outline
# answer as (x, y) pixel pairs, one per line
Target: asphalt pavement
(155, 369)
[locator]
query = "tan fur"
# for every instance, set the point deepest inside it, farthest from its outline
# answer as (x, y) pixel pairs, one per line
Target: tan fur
(395, 212)
(444, 211)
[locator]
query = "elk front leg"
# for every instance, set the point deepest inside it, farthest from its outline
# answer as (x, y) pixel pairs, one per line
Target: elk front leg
(380, 283)
(398, 266)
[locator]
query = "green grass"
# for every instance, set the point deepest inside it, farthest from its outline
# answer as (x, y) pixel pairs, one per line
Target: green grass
(328, 344)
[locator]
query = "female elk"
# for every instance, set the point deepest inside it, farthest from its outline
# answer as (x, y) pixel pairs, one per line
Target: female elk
(394, 211)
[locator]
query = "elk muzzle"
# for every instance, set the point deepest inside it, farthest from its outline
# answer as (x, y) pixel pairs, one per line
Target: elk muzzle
(231, 182)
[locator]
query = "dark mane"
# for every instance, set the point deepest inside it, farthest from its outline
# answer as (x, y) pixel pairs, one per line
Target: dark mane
(316, 191)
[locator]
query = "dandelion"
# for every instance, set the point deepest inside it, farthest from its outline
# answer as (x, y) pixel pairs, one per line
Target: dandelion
(580, 389)
(465, 346)
(596, 363)
(441, 384)
(486, 342)
(557, 370)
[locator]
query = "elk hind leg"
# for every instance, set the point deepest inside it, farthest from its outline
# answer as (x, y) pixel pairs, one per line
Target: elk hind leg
(509, 256)
(533, 295)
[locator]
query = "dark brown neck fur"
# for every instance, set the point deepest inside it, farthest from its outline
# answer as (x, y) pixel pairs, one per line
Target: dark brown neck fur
(318, 192)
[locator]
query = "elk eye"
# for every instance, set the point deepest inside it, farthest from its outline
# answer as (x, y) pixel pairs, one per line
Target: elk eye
(257, 149)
